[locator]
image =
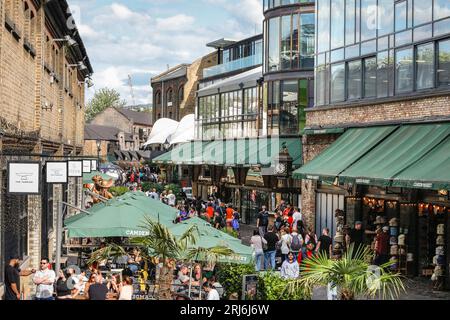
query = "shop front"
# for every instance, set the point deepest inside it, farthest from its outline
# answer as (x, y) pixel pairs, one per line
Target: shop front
(398, 177)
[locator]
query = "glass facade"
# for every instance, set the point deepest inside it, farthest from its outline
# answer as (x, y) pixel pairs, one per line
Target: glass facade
(290, 41)
(271, 4)
(368, 49)
(287, 101)
(228, 115)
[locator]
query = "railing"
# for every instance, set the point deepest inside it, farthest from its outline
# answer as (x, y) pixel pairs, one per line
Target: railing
(243, 63)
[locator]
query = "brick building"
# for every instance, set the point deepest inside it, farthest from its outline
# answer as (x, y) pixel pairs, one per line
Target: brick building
(135, 123)
(174, 91)
(376, 143)
(43, 66)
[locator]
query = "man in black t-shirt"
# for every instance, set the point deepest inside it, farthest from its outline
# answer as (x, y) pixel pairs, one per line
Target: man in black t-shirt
(12, 278)
(218, 220)
(263, 221)
(98, 290)
(356, 236)
(325, 243)
(269, 254)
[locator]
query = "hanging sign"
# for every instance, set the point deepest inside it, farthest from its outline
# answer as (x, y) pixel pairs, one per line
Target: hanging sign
(87, 166)
(56, 172)
(24, 177)
(94, 165)
(75, 169)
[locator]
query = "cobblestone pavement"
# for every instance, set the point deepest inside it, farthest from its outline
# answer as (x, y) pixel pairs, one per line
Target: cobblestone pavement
(416, 289)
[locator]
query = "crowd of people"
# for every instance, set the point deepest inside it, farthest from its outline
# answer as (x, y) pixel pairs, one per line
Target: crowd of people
(288, 237)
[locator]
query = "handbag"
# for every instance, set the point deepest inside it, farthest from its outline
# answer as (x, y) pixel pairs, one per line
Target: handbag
(263, 245)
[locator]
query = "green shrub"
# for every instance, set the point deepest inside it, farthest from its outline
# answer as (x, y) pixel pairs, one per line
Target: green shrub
(272, 287)
(230, 276)
(231, 232)
(148, 186)
(118, 191)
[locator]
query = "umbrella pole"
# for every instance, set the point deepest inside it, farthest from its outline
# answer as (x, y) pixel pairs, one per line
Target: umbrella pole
(190, 281)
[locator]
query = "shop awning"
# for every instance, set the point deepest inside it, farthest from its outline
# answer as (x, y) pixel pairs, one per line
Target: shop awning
(430, 172)
(347, 150)
(397, 152)
(236, 152)
(119, 155)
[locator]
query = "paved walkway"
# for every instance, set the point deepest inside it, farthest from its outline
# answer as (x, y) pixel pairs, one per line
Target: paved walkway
(416, 289)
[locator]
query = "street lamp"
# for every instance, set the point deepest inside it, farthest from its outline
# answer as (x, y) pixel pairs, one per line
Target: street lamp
(99, 148)
(166, 145)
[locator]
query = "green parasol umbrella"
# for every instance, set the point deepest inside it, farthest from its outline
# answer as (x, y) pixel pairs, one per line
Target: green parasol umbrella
(124, 216)
(209, 237)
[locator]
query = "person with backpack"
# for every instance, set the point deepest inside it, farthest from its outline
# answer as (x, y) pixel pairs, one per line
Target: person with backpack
(263, 221)
(296, 244)
(285, 244)
(235, 222)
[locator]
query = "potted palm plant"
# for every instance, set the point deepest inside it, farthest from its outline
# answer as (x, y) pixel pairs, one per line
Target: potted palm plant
(353, 276)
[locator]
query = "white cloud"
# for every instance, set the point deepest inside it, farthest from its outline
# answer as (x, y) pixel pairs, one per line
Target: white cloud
(121, 11)
(121, 38)
(178, 22)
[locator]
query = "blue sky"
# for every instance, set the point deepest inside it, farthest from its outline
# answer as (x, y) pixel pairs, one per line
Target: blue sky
(142, 37)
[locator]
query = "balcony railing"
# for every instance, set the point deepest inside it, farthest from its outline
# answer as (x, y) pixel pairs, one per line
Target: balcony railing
(231, 66)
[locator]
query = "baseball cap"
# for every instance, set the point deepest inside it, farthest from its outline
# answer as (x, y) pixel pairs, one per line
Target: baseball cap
(358, 222)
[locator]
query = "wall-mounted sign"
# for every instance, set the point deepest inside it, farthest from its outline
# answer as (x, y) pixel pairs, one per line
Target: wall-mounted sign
(75, 169)
(87, 166)
(94, 165)
(24, 177)
(56, 172)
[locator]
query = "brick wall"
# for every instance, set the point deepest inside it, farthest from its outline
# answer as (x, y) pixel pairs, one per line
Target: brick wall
(194, 74)
(392, 111)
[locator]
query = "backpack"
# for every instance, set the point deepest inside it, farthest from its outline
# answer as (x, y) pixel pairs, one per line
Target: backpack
(235, 224)
(296, 244)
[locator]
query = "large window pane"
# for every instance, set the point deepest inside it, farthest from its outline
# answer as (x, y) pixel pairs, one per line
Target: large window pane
(289, 110)
(274, 44)
(350, 22)
(323, 27)
(286, 42)
(295, 39)
(441, 9)
(368, 19)
(354, 80)
(321, 80)
(425, 66)
(307, 40)
(382, 74)
(386, 17)
(400, 16)
(423, 11)
(404, 70)
(370, 77)
(444, 63)
(337, 23)
(338, 82)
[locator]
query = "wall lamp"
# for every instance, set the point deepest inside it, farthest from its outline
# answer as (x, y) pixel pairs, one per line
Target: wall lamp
(70, 41)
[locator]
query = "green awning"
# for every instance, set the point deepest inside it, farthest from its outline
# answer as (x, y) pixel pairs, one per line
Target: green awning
(311, 132)
(234, 152)
(399, 151)
(431, 172)
(347, 150)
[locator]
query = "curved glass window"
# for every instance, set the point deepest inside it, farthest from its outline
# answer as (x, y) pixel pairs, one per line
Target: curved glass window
(290, 42)
(270, 4)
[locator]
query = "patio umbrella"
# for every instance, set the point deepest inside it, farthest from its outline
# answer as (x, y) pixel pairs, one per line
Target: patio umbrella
(121, 217)
(87, 177)
(209, 237)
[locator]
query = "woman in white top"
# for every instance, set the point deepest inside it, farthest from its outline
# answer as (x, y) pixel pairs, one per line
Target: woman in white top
(257, 244)
(285, 241)
(126, 289)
